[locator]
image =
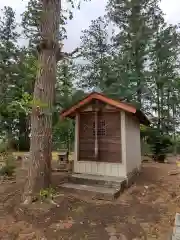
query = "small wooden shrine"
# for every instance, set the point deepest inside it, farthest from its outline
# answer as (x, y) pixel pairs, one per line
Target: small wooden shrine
(107, 136)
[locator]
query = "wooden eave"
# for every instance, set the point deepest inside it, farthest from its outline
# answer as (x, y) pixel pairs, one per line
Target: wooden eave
(71, 112)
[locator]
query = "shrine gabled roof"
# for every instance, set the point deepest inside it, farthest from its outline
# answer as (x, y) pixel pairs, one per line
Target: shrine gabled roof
(71, 112)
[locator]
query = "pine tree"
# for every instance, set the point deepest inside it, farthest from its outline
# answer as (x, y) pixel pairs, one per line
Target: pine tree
(63, 130)
(9, 54)
(31, 21)
(135, 22)
(49, 53)
(164, 65)
(39, 174)
(95, 48)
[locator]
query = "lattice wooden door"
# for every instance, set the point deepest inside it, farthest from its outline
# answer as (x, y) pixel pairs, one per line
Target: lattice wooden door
(109, 137)
(86, 137)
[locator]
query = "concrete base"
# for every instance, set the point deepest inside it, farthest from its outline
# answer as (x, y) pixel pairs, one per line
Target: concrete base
(96, 192)
(89, 179)
(100, 187)
(131, 177)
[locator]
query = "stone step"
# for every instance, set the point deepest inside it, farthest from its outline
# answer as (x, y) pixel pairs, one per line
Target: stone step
(96, 192)
(106, 181)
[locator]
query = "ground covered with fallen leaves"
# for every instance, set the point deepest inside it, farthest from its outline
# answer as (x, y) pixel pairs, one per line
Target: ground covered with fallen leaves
(144, 211)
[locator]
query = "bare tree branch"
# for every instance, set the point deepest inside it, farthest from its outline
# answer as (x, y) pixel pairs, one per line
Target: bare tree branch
(62, 55)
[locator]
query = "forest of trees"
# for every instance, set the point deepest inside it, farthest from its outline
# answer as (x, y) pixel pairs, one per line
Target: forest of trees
(130, 53)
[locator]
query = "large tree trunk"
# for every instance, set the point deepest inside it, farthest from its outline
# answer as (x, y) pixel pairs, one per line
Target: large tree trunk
(39, 173)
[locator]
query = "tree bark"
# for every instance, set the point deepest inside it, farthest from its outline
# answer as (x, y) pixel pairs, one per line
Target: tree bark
(39, 172)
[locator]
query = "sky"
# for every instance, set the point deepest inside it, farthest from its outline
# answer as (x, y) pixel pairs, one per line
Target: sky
(89, 11)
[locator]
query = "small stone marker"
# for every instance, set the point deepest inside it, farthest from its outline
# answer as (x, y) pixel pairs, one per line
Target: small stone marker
(176, 229)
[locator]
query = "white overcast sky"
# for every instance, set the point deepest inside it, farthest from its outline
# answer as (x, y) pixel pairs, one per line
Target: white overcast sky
(89, 11)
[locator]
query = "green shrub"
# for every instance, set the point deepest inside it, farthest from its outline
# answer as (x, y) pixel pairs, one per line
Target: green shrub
(159, 143)
(47, 193)
(7, 171)
(3, 147)
(8, 167)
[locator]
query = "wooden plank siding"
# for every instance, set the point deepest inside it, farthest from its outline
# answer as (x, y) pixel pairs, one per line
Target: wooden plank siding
(133, 143)
(100, 168)
(109, 137)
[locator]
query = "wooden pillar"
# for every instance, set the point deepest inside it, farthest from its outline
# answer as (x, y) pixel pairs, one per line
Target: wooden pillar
(123, 140)
(76, 147)
(96, 149)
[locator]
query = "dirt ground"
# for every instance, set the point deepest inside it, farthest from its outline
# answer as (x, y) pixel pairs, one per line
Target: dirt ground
(144, 211)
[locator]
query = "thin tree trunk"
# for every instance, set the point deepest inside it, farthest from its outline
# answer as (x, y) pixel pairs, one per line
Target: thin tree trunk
(168, 105)
(158, 108)
(174, 127)
(139, 79)
(39, 172)
(139, 85)
(139, 95)
(162, 108)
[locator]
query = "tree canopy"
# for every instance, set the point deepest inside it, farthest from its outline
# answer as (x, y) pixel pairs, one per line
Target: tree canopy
(131, 53)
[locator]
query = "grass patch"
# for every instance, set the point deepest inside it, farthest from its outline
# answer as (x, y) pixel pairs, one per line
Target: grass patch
(8, 166)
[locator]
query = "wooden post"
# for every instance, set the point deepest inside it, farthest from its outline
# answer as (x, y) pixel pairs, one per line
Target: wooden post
(96, 147)
(96, 134)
